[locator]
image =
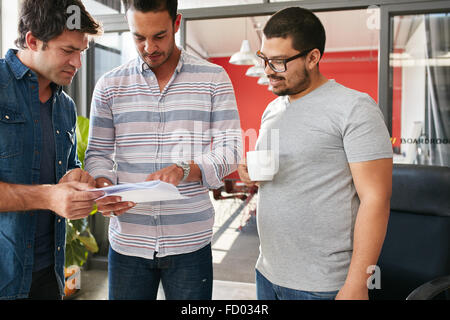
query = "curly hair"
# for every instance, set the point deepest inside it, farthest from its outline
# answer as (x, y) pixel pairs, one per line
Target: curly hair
(48, 19)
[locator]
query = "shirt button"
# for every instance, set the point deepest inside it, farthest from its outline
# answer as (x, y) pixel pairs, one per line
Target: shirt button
(60, 162)
(59, 220)
(57, 131)
(7, 117)
(59, 248)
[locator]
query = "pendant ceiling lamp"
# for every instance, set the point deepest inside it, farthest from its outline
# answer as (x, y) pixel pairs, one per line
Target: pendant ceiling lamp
(256, 71)
(245, 56)
(264, 81)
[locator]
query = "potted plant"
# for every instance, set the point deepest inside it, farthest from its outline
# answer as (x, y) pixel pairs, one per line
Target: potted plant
(79, 239)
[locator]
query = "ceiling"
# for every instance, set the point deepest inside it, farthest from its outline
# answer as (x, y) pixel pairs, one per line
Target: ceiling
(346, 30)
(349, 30)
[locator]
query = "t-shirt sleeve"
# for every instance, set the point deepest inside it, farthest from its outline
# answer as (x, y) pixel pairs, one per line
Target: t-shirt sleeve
(365, 134)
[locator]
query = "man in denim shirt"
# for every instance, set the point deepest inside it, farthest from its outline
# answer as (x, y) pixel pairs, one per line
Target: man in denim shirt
(38, 147)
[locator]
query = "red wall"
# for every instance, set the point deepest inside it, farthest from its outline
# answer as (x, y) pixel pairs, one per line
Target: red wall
(356, 69)
(252, 98)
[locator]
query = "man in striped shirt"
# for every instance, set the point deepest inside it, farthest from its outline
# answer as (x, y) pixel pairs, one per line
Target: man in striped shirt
(167, 116)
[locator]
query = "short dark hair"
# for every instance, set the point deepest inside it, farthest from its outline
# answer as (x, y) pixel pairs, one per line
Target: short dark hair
(48, 19)
(302, 25)
(153, 5)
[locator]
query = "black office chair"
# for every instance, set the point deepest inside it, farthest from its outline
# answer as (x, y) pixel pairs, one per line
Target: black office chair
(415, 258)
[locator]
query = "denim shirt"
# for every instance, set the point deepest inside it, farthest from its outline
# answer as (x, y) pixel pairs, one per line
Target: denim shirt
(20, 147)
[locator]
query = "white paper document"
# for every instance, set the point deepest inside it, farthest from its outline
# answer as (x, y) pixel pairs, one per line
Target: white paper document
(149, 191)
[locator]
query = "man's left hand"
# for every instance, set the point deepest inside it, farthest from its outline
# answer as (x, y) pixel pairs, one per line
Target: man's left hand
(78, 175)
(171, 174)
(349, 293)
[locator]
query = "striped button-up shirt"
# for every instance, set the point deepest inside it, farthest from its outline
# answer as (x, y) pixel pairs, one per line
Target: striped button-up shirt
(136, 130)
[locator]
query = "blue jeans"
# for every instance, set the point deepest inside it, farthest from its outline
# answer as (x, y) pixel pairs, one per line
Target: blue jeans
(266, 290)
(184, 277)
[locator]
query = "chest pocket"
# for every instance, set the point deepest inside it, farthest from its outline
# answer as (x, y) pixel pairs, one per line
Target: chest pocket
(12, 126)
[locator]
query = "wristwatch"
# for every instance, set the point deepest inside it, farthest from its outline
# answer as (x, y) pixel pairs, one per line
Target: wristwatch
(186, 168)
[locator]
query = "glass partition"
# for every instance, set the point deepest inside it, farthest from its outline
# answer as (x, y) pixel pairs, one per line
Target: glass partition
(420, 88)
(112, 50)
(191, 4)
(103, 6)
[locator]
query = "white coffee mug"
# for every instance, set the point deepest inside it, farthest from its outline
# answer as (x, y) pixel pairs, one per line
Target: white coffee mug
(262, 165)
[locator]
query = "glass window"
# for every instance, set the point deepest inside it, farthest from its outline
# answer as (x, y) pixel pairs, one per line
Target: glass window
(9, 20)
(112, 50)
(101, 7)
(420, 86)
(294, 0)
(190, 4)
(108, 52)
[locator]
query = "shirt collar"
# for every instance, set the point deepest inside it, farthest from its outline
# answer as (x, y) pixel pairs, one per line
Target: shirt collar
(57, 89)
(285, 99)
(20, 70)
(143, 66)
(17, 67)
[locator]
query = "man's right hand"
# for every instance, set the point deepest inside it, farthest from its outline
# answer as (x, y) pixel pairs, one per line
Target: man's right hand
(71, 200)
(243, 174)
(111, 205)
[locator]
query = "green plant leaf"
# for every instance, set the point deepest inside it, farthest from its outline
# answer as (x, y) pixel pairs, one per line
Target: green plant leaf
(89, 243)
(80, 253)
(82, 132)
(79, 239)
(94, 210)
(69, 256)
(71, 233)
(80, 225)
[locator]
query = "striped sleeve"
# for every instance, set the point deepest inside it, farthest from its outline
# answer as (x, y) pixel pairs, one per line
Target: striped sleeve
(226, 150)
(100, 151)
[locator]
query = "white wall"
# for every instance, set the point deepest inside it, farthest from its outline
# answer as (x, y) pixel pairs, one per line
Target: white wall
(9, 20)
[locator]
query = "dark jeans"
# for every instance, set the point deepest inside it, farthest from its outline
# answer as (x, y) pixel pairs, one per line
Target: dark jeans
(184, 277)
(266, 290)
(44, 285)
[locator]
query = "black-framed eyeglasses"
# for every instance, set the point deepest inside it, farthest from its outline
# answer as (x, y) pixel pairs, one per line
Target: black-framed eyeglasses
(279, 65)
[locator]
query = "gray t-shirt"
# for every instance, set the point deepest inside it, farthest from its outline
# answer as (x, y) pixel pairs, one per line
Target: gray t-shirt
(306, 214)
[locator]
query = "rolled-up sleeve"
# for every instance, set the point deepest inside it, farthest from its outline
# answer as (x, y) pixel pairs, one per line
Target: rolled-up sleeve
(225, 133)
(99, 161)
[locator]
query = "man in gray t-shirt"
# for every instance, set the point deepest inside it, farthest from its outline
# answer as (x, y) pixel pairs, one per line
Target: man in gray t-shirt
(323, 217)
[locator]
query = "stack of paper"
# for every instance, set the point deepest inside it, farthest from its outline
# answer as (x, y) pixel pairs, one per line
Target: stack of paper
(148, 191)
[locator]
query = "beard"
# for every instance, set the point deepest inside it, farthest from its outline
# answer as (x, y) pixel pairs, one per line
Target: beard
(303, 82)
(61, 76)
(162, 57)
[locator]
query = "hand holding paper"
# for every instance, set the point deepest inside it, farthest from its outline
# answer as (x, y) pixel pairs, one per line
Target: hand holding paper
(148, 191)
(110, 205)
